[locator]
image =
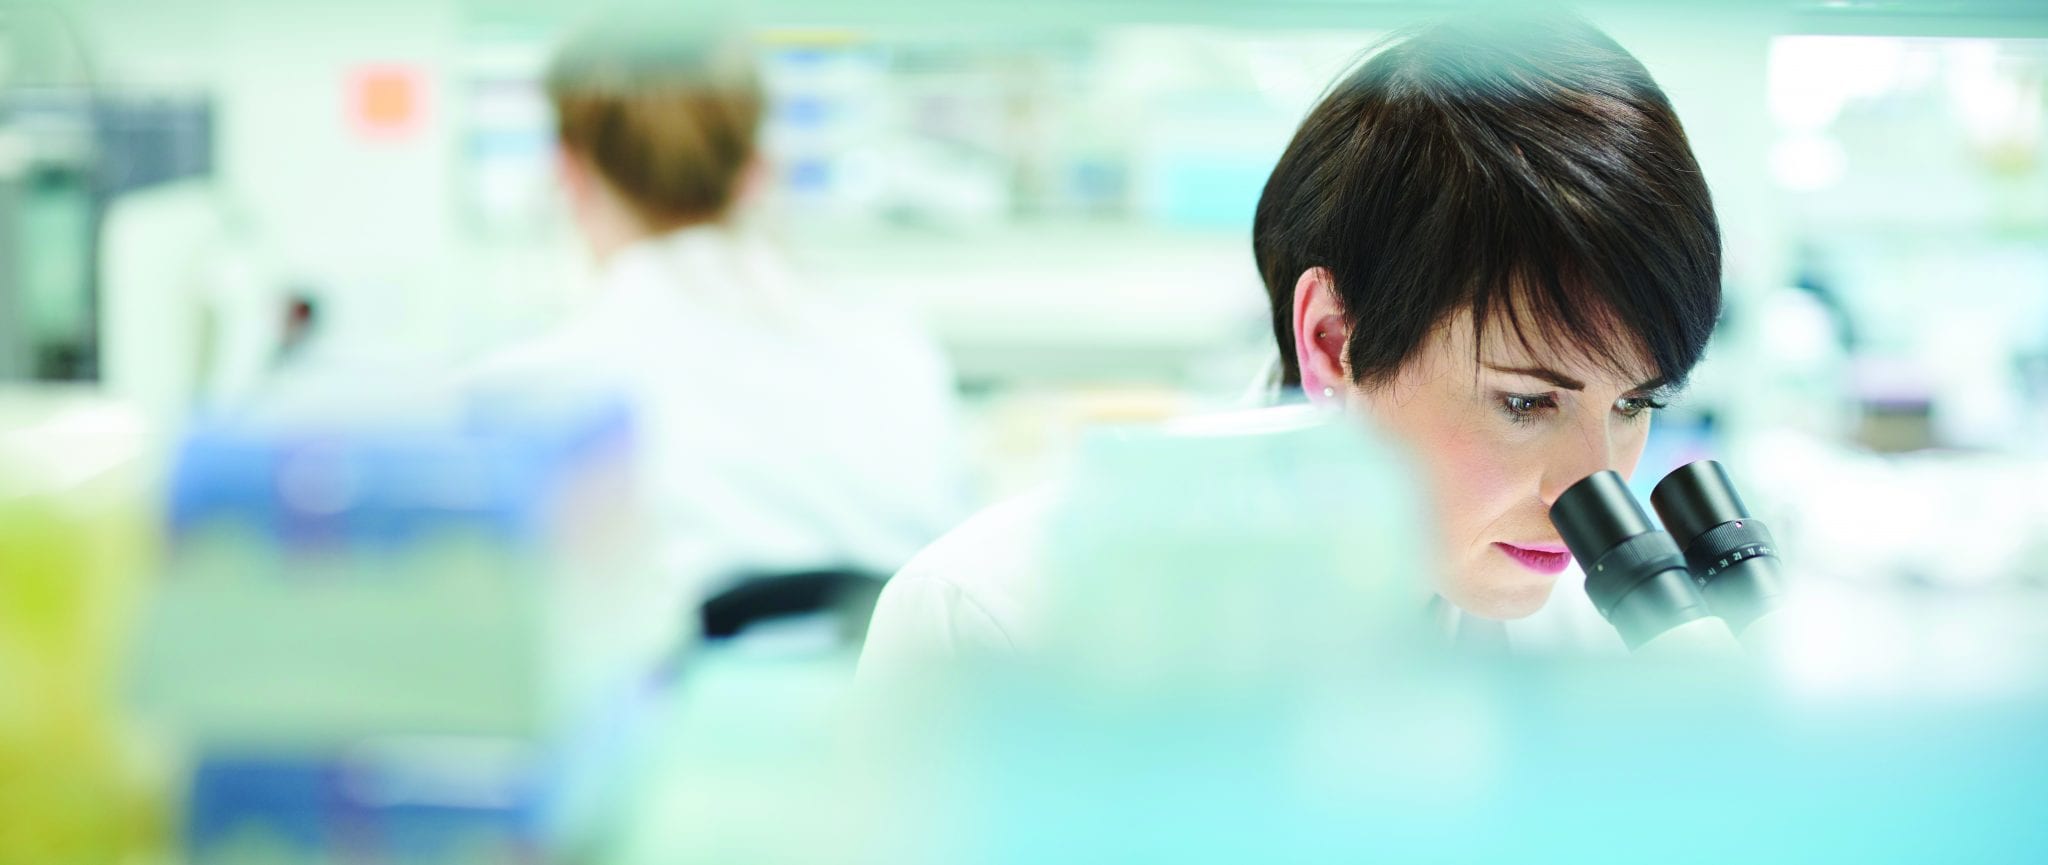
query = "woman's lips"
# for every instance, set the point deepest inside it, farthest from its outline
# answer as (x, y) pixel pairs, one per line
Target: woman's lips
(1542, 560)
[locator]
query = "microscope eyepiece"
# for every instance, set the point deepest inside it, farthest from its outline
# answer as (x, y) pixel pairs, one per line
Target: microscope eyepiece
(1597, 513)
(1730, 553)
(1635, 575)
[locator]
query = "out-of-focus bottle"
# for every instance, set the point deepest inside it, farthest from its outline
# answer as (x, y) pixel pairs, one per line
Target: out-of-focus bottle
(74, 542)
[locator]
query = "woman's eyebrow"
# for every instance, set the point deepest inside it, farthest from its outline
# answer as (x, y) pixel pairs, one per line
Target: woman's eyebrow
(1545, 373)
(1567, 382)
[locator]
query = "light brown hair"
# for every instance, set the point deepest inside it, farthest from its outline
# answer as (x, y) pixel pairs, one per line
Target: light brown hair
(667, 110)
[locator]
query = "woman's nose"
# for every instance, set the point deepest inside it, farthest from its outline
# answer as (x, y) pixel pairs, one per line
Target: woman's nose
(1576, 454)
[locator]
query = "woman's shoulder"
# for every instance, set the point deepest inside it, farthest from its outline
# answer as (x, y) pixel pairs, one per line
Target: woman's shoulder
(976, 589)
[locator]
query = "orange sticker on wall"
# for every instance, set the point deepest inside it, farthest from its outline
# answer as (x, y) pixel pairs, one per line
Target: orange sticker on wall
(386, 101)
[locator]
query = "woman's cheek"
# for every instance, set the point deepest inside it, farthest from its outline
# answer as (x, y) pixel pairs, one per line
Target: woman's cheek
(1470, 476)
(1467, 464)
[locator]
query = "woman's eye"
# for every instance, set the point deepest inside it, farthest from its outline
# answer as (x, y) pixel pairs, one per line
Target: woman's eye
(1632, 406)
(1522, 408)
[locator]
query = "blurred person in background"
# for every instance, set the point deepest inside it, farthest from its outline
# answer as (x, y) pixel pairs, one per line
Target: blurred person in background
(796, 445)
(1492, 242)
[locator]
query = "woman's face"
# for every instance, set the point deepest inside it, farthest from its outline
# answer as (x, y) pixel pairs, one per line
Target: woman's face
(1501, 432)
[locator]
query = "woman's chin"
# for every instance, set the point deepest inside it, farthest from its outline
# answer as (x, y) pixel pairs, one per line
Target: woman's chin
(1504, 594)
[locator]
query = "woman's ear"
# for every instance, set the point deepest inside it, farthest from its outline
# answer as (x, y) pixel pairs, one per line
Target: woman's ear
(604, 218)
(575, 176)
(1320, 335)
(754, 183)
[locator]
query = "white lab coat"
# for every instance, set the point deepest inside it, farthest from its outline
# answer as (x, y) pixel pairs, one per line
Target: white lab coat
(780, 428)
(978, 591)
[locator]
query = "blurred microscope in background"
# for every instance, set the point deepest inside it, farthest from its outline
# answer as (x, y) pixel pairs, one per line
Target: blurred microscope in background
(127, 264)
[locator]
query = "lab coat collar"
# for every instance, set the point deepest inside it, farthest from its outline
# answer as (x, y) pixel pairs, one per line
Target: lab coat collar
(717, 266)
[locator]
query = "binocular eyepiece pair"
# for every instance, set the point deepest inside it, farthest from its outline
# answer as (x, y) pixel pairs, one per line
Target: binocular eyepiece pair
(1716, 559)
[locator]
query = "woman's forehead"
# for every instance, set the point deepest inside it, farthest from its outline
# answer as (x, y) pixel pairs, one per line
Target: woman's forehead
(1525, 342)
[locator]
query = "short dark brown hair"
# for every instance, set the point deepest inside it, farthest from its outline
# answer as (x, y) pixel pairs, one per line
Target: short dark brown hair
(666, 108)
(1519, 167)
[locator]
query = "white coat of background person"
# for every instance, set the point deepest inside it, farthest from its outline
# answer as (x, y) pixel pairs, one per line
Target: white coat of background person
(782, 428)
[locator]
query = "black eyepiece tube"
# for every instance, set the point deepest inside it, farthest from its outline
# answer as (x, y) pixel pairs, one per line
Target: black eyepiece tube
(1696, 497)
(1730, 553)
(1635, 575)
(1597, 513)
